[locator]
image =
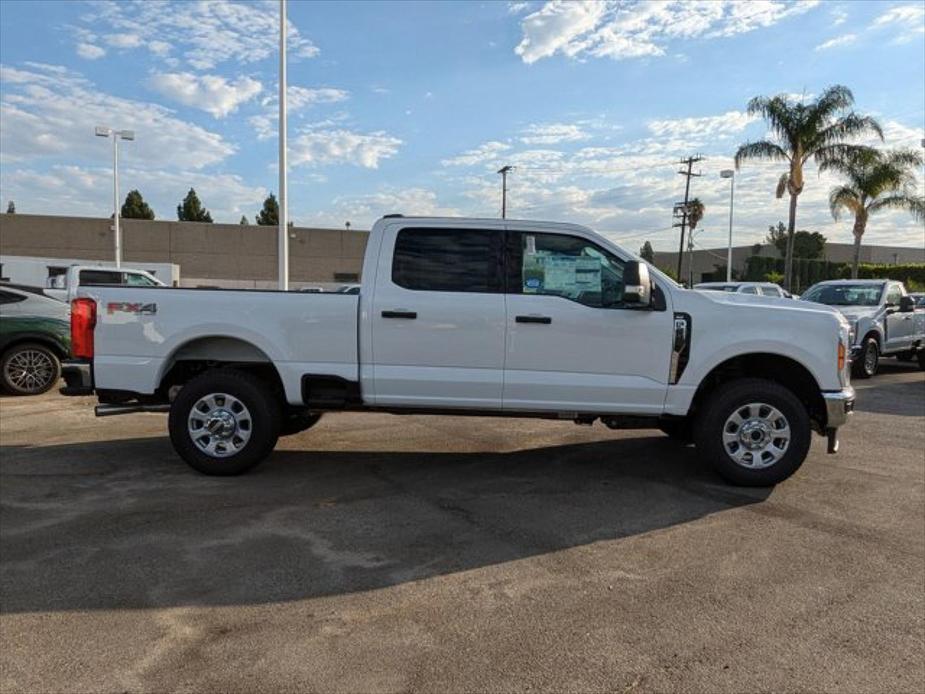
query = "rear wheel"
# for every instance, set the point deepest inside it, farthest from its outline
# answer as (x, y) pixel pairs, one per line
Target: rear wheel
(868, 361)
(224, 422)
(29, 369)
(753, 432)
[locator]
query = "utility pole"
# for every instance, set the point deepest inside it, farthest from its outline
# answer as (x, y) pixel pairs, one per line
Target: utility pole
(504, 171)
(680, 208)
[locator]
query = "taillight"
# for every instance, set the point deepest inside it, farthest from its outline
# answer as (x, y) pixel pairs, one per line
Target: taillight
(83, 321)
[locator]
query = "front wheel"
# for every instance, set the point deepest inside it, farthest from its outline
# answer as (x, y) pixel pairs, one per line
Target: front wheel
(754, 432)
(224, 422)
(869, 360)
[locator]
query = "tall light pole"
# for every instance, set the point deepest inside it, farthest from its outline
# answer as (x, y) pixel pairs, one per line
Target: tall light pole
(731, 175)
(283, 249)
(102, 131)
(504, 171)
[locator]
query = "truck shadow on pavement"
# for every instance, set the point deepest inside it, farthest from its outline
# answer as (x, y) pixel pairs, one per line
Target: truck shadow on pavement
(125, 524)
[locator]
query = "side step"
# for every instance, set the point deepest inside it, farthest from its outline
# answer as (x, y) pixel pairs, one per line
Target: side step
(111, 410)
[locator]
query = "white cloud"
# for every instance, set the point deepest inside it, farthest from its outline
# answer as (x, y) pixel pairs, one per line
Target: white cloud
(909, 20)
(839, 16)
(298, 99)
(76, 190)
(123, 40)
(553, 133)
(484, 153)
(89, 51)
(843, 40)
(339, 146)
(206, 33)
(517, 7)
(363, 210)
(726, 124)
(51, 112)
(159, 48)
(210, 93)
(619, 30)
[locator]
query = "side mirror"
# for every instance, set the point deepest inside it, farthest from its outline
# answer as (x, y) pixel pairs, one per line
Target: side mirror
(906, 304)
(637, 287)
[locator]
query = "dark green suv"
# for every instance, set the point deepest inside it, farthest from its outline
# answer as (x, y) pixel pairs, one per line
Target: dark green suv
(35, 335)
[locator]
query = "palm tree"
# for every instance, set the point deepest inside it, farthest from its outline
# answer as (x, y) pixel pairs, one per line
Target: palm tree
(695, 210)
(817, 130)
(876, 181)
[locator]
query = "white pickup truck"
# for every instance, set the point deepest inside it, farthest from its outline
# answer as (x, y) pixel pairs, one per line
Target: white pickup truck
(473, 316)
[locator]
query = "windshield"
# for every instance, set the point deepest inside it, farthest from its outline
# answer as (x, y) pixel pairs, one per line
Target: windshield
(844, 294)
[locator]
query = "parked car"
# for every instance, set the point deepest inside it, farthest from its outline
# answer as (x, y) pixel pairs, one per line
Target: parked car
(884, 320)
(473, 316)
(760, 288)
(34, 338)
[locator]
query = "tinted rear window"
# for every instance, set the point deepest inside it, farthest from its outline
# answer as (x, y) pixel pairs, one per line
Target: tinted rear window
(100, 277)
(448, 260)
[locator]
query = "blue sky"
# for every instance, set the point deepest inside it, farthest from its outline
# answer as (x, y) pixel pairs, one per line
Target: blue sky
(412, 107)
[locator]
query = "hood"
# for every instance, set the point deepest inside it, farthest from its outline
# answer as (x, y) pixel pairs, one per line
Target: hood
(765, 302)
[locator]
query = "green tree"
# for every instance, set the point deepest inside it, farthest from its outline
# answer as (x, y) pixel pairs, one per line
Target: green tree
(269, 214)
(647, 253)
(11, 208)
(695, 210)
(243, 220)
(876, 181)
(191, 209)
(135, 207)
(807, 245)
(818, 131)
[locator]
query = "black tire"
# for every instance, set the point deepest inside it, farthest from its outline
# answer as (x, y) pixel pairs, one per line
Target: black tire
(29, 368)
(868, 360)
(297, 422)
(735, 396)
(680, 430)
(261, 413)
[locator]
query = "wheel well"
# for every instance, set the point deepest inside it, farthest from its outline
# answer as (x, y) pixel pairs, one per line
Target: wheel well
(213, 352)
(874, 334)
(37, 339)
(783, 370)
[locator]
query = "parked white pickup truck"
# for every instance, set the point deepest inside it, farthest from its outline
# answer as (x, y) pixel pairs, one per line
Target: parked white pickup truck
(884, 320)
(473, 316)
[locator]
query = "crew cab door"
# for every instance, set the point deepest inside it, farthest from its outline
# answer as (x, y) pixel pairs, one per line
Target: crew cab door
(571, 344)
(437, 318)
(899, 326)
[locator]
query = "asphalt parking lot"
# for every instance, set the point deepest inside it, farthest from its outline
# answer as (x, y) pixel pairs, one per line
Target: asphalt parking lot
(382, 553)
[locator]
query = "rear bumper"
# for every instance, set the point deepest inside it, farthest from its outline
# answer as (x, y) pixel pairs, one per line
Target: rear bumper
(839, 405)
(78, 377)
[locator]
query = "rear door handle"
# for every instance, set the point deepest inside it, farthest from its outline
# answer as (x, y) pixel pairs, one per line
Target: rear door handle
(411, 315)
(545, 320)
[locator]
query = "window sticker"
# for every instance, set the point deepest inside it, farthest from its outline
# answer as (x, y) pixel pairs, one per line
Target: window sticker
(564, 275)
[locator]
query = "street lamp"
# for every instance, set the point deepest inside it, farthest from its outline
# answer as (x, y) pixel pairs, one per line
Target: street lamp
(731, 175)
(117, 135)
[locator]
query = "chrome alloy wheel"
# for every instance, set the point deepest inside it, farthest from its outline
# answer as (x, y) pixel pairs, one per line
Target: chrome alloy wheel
(220, 425)
(30, 370)
(756, 435)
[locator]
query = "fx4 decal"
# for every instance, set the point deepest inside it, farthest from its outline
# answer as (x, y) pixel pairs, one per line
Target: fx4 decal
(127, 307)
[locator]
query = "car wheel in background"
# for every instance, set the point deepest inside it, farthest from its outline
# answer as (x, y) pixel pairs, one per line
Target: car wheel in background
(224, 422)
(753, 432)
(868, 361)
(29, 369)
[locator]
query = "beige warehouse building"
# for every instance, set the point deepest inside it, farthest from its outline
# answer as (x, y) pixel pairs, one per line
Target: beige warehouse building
(226, 255)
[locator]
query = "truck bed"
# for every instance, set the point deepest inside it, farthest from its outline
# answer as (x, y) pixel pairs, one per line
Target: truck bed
(142, 332)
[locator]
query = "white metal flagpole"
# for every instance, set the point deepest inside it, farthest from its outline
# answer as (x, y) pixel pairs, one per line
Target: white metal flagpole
(283, 251)
(117, 232)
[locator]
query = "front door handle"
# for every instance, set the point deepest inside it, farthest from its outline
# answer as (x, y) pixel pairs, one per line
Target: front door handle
(545, 320)
(400, 314)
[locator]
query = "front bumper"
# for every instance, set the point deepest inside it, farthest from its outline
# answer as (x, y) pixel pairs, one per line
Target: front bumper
(839, 405)
(78, 377)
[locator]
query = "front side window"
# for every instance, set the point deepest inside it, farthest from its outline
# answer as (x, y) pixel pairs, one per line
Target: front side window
(893, 295)
(448, 260)
(565, 266)
(100, 277)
